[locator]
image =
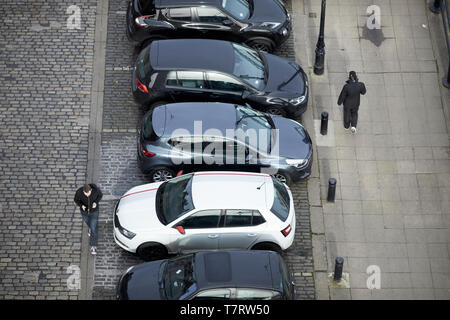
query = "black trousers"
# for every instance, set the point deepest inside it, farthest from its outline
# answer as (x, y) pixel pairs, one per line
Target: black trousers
(350, 117)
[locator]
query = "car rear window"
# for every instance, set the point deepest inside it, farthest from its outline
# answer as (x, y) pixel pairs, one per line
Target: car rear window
(147, 6)
(143, 63)
(281, 201)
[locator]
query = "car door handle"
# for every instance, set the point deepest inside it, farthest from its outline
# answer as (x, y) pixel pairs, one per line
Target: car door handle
(251, 234)
(213, 236)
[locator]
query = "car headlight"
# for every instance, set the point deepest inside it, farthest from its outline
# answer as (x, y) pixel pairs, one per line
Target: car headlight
(298, 163)
(284, 32)
(271, 25)
(298, 100)
(128, 234)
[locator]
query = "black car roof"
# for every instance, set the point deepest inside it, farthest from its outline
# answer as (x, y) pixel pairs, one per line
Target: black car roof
(201, 54)
(182, 3)
(213, 115)
(245, 269)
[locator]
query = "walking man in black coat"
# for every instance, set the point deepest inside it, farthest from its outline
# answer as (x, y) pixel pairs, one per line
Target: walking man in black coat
(87, 198)
(350, 96)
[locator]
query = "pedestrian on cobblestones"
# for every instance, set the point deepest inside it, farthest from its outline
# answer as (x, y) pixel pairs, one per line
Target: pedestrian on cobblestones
(88, 198)
(350, 97)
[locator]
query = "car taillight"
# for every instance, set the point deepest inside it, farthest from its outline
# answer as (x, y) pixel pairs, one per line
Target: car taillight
(286, 231)
(148, 154)
(141, 86)
(140, 21)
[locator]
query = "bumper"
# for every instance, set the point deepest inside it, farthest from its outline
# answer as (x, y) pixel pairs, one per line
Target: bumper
(296, 111)
(119, 239)
(303, 173)
(139, 96)
(131, 26)
(289, 240)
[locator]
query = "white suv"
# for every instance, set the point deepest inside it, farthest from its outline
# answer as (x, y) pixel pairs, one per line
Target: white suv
(205, 210)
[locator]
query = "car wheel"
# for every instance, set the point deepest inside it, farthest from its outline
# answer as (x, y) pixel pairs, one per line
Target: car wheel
(261, 44)
(152, 251)
(276, 110)
(283, 178)
(161, 174)
(267, 246)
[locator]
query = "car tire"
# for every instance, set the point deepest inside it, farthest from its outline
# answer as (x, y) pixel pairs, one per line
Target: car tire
(283, 178)
(262, 44)
(276, 110)
(152, 251)
(161, 174)
(270, 246)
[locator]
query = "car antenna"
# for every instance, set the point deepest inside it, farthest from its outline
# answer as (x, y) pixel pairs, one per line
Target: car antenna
(259, 188)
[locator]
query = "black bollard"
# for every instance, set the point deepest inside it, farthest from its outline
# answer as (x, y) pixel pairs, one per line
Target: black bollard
(435, 6)
(331, 189)
(338, 266)
(324, 123)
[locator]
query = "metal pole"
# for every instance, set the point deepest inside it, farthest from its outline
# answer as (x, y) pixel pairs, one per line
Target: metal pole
(435, 6)
(324, 123)
(320, 47)
(338, 267)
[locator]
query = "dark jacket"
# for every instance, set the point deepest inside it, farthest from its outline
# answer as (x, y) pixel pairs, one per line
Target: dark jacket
(350, 94)
(81, 199)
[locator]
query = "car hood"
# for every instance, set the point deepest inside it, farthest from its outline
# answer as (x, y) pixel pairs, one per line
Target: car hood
(137, 211)
(141, 282)
(267, 11)
(293, 140)
(284, 76)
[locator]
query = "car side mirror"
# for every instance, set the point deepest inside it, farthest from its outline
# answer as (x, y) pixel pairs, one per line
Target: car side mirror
(227, 22)
(246, 94)
(180, 229)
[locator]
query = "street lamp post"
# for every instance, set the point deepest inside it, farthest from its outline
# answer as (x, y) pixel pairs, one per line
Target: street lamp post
(446, 80)
(320, 47)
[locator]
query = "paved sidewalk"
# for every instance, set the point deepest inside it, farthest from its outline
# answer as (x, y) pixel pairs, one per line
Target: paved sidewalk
(393, 177)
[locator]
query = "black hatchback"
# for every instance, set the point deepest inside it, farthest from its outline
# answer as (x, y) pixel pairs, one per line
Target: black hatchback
(199, 136)
(262, 24)
(184, 70)
(210, 275)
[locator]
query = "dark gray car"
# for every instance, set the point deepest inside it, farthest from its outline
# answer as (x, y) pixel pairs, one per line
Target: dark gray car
(199, 136)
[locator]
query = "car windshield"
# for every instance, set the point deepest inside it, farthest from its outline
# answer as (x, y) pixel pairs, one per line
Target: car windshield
(179, 280)
(248, 66)
(174, 198)
(259, 124)
(281, 201)
(239, 9)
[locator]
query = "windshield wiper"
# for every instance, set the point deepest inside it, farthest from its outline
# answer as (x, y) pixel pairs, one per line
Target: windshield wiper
(290, 79)
(246, 76)
(250, 116)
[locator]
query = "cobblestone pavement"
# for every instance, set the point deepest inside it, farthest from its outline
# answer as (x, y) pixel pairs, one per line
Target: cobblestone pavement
(119, 171)
(46, 72)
